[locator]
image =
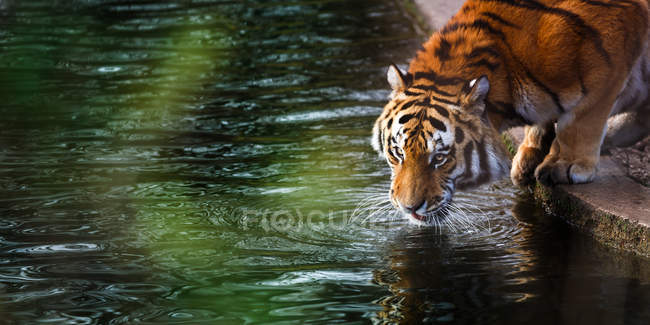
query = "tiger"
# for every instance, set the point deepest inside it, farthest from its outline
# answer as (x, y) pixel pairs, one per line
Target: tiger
(560, 68)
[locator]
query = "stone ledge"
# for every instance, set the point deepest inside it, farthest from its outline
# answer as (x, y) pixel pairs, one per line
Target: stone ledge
(613, 209)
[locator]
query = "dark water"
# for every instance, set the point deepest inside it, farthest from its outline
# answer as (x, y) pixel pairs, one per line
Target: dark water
(200, 162)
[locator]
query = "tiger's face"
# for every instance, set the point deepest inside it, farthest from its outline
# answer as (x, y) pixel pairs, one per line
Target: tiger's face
(436, 142)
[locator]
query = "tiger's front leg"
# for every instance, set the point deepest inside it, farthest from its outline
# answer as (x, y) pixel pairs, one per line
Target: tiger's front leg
(531, 153)
(575, 152)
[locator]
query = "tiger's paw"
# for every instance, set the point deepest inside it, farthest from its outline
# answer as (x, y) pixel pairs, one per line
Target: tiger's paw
(524, 163)
(560, 171)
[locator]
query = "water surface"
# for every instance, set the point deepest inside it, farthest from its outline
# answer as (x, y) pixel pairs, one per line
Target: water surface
(200, 162)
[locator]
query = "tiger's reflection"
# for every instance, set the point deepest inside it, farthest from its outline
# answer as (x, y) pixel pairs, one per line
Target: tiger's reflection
(533, 270)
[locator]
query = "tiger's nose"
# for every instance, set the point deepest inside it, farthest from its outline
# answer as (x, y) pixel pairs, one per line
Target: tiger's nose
(416, 208)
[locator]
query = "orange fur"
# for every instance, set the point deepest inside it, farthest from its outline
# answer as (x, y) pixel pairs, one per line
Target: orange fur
(574, 62)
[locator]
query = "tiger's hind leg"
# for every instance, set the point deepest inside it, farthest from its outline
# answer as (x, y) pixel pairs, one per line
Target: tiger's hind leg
(627, 128)
(631, 121)
(531, 153)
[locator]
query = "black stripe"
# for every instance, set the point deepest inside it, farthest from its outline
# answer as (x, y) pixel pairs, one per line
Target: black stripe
(394, 155)
(390, 123)
(380, 140)
(484, 63)
(633, 3)
(603, 4)
(574, 20)
(459, 134)
(408, 79)
(476, 52)
(441, 110)
(442, 100)
(479, 24)
(439, 80)
(467, 155)
(442, 52)
(405, 118)
(500, 20)
(432, 88)
(484, 171)
(408, 104)
(410, 93)
(437, 124)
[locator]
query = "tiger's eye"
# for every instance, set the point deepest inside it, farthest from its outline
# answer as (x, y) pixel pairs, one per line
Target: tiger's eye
(438, 158)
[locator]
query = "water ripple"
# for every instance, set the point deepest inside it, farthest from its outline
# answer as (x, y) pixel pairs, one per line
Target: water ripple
(70, 248)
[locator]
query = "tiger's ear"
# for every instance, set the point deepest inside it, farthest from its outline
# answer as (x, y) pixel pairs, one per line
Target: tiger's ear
(478, 89)
(474, 94)
(396, 78)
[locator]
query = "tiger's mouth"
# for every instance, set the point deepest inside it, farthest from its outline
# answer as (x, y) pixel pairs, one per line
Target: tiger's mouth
(419, 217)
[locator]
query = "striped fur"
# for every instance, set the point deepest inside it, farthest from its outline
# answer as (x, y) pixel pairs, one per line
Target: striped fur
(500, 63)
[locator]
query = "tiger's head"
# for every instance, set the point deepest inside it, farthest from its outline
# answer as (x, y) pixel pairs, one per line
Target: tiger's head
(436, 141)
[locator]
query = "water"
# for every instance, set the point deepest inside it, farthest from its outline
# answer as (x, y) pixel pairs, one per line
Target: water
(200, 162)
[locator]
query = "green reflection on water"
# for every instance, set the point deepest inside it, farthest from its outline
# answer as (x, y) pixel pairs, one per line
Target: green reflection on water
(193, 236)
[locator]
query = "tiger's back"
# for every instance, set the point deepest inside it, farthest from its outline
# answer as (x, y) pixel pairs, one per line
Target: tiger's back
(510, 62)
(542, 57)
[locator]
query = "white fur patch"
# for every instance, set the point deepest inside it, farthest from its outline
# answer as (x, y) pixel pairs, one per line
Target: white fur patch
(375, 139)
(447, 137)
(394, 78)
